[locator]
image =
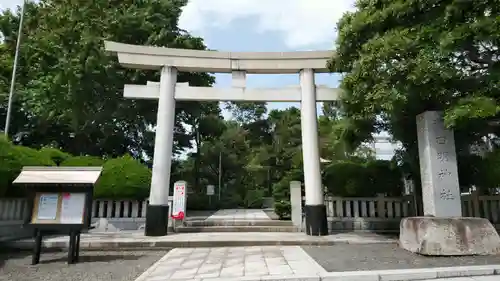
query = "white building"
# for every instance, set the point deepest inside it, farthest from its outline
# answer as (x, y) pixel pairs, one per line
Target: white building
(384, 147)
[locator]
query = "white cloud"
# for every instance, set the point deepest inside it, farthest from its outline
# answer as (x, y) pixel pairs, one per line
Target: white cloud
(302, 22)
(10, 4)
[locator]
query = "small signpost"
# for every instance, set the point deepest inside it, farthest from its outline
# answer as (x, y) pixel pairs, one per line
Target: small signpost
(179, 200)
(210, 193)
(210, 190)
(60, 200)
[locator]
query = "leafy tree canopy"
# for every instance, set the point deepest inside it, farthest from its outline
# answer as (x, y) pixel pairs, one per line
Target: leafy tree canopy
(69, 92)
(402, 57)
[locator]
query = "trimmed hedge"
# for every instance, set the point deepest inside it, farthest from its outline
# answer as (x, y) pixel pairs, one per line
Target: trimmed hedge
(12, 159)
(83, 161)
(122, 178)
(56, 155)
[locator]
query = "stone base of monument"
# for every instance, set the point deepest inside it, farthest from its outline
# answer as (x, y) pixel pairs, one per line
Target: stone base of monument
(434, 236)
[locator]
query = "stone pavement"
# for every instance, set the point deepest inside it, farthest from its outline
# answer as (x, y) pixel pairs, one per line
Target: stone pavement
(239, 214)
(290, 263)
(235, 263)
(137, 240)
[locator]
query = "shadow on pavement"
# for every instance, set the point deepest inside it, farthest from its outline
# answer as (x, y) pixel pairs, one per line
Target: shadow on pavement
(61, 257)
(393, 235)
(94, 258)
(6, 255)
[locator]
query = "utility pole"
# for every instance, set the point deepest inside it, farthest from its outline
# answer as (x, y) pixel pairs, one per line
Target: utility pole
(197, 159)
(14, 70)
(220, 173)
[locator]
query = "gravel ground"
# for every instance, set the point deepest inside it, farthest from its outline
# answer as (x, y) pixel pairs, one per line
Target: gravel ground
(384, 256)
(95, 266)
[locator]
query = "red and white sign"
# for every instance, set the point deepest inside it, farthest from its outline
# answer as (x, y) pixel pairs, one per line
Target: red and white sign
(179, 201)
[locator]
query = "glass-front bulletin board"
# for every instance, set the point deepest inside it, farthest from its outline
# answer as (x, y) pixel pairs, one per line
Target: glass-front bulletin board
(59, 208)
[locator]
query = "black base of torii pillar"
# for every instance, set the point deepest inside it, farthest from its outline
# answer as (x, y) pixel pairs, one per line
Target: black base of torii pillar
(316, 221)
(156, 220)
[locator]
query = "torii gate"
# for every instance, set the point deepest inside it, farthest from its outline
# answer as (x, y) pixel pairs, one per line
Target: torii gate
(167, 91)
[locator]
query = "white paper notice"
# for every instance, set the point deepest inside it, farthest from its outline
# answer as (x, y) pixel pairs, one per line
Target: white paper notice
(72, 208)
(47, 206)
(179, 202)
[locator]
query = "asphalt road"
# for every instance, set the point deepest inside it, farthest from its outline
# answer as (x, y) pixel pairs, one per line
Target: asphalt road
(95, 266)
(384, 256)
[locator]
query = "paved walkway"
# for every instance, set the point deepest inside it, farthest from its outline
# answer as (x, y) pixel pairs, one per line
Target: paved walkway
(233, 263)
(239, 214)
(290, 263)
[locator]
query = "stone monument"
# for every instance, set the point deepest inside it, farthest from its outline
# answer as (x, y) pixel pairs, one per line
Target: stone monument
(442, 230)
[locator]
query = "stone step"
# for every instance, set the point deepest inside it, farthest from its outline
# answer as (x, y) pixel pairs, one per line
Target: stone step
(228, 218)
(194, 229)
(199, 223)
(135, 240)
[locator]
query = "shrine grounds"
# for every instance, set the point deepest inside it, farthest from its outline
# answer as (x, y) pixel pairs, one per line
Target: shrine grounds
(93, 266)
(296, 261)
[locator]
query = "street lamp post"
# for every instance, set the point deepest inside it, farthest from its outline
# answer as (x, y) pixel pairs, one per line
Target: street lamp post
(14, 70)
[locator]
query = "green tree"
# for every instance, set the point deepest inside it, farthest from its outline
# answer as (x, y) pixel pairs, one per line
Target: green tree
(403, 57)
(70, 90)
(206, 124)
(341, 137)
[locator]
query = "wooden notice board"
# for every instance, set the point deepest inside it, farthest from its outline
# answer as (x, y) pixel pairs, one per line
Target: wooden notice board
(59, 208)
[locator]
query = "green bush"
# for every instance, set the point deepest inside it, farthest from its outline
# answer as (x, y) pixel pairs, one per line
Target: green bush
(281, 196)
(231, 200)
(356, 179)
(485, 177)
(83, 161)
(384, 177)
(254, 198)
(345, 178)
(56, 155)
(12, 159)
(281, 190)
(283, 209)
(123, 177)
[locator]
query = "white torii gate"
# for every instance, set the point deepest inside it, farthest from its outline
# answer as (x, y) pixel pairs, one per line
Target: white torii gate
(167, 91)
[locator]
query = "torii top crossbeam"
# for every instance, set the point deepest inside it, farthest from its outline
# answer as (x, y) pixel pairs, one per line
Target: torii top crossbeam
(148, 57)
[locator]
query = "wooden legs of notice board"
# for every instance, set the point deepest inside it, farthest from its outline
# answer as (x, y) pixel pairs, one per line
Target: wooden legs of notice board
(38, 247)
(73, 249)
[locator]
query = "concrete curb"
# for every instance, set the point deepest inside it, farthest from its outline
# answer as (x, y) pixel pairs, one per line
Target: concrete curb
(157, 245)
(379, 275)
(413, 274)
